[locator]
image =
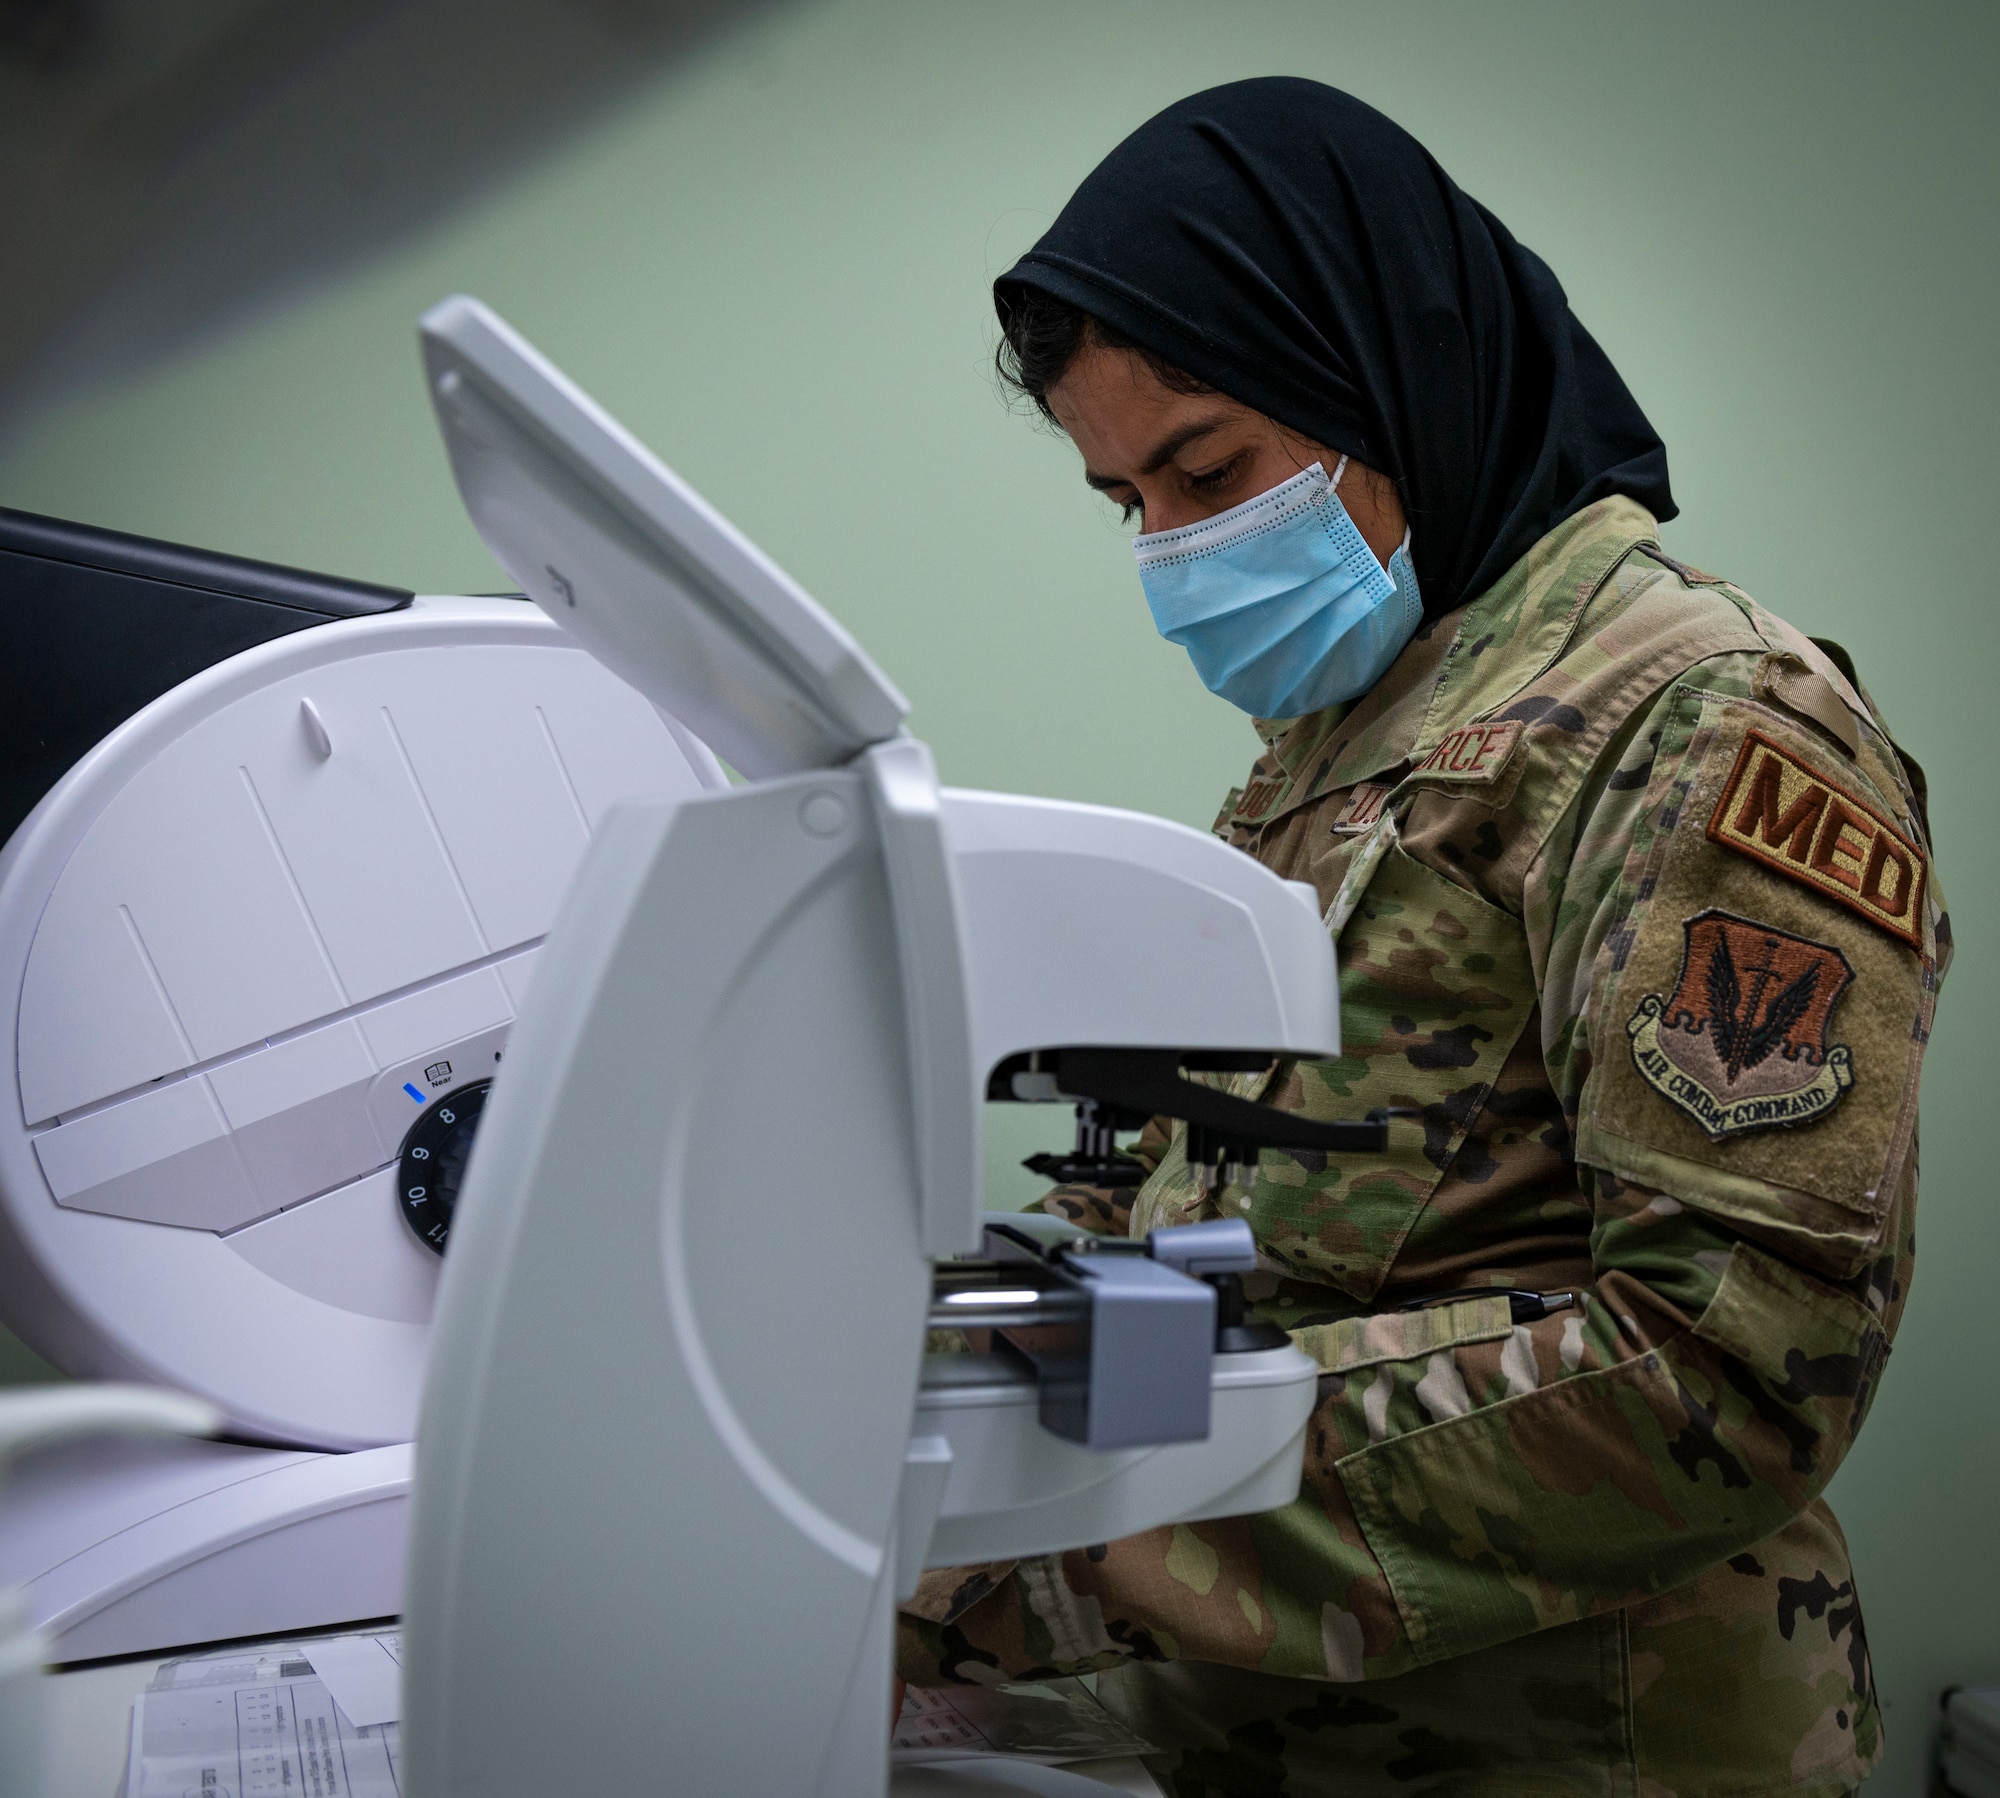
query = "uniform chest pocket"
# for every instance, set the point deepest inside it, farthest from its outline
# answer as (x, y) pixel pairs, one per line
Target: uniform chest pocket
(1435, 989)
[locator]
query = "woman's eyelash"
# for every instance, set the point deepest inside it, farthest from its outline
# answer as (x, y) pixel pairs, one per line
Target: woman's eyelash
(1213, 481)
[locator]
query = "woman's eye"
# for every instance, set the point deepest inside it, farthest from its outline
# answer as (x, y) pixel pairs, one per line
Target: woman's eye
(1215, 479)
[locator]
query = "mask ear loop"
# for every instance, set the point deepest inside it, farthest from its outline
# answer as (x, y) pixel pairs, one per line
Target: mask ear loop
(1339, 469)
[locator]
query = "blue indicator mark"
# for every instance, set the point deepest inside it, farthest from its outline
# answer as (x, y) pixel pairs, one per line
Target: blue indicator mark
(412, 1091)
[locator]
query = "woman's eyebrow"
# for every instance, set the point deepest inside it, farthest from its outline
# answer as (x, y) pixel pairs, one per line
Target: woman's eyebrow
(1162, 452)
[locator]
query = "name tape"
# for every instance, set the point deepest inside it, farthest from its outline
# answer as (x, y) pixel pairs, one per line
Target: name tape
(1258, 798)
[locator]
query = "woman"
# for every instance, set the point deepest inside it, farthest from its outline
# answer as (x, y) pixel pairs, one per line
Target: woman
(1634, 910)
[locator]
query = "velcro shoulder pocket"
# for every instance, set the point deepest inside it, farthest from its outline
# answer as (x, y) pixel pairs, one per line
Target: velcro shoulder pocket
(1759, 1028)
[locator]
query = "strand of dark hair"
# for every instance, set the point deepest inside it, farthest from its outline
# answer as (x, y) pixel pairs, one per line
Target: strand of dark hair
(1041, 336)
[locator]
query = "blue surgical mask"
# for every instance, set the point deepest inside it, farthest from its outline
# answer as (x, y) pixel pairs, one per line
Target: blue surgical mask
(1279, 602)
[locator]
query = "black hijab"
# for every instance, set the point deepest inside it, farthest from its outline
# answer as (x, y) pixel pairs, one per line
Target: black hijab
(1294, 249)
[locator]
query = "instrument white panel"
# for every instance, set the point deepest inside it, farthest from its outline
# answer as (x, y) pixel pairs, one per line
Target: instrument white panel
(249, 939)
(241, 886)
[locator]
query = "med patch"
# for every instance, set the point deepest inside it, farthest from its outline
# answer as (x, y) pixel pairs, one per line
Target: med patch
(1741, 1041)
(1778, 810)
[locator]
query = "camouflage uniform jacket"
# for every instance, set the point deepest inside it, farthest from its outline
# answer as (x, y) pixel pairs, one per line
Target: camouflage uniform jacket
(1634, 905)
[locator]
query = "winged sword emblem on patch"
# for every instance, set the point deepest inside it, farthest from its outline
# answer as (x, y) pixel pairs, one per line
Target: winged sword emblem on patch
(1740, 1043)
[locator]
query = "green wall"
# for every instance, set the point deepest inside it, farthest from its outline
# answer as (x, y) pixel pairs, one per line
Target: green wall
(1779, 219)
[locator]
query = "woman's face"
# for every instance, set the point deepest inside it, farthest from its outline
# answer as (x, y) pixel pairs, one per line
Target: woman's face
(1174, 459)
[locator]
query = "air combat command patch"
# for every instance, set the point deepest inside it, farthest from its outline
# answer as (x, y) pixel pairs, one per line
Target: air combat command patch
(1740, 1044)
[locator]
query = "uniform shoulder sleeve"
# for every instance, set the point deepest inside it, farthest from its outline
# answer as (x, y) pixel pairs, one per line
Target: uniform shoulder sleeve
(1764, 980)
